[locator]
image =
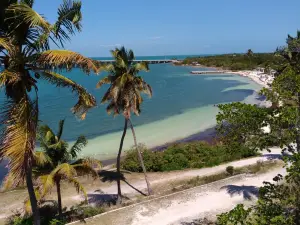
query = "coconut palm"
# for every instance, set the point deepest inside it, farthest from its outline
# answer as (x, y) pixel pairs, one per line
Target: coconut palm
(249, 53)
(124, 95)
(56, 162)
(25, 38)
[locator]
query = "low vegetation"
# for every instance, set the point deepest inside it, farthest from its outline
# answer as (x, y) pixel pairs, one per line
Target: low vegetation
(183, 156)
(235, 61)
(48, 215)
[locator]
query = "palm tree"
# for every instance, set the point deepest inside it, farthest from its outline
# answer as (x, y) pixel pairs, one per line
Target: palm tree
(249, 53)
(25, 38)
(56, 163)
(124, 96)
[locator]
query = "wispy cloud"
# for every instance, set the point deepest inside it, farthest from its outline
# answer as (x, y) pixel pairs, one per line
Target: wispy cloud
(156, 37)
(110, 46)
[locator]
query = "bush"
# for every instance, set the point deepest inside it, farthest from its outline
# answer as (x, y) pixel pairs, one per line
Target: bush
(80, 212)
(183, 156)
(18, 219)
(230, 170)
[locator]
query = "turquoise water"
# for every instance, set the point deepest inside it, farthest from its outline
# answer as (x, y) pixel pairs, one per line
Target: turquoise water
(182, 105)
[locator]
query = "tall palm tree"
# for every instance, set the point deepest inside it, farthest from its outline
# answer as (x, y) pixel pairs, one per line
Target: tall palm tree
(124, 95)
(56, 162)
(25, 37)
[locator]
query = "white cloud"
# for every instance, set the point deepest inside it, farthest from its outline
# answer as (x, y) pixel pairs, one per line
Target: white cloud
(156, 37)
(110, 46)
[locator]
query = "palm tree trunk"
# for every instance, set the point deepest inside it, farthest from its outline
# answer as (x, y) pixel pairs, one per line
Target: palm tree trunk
(140, 158)
(59, 199)
(32, 197)
(119, 200)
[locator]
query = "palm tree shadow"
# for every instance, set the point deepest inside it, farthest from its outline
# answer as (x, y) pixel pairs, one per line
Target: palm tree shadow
(247, 191)
(113, 176)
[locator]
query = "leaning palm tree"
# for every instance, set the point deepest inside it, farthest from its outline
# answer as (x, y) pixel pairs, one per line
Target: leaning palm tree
(124, 96)
(25, 38)
(56, 162)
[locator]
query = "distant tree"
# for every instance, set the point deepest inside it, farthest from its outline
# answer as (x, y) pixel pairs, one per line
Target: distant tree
(249, 53)
(124, 96)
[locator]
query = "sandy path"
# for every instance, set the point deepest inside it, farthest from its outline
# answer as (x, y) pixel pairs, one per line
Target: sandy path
(13, 200)
(209, 202)
(160, 178)
(185, 206)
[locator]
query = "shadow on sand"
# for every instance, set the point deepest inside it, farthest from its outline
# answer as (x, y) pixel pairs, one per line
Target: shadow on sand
(248, 192)
(100, 198)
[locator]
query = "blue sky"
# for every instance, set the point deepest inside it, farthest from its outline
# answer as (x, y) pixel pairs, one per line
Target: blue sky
(171, 27)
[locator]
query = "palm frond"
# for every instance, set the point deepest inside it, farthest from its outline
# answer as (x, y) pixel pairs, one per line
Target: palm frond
(80, 143)
(46, 183)
(28, 2)
(87, 166)
(105, 80)
(36, 41)
(4, 43)
(45, 133)
(9, 78)
(69, 18)
(85, 100)
(24, 14)
(64, 171)
(18, 140)
(65, 59)
(42, 158)
(142, 66)
(9, 182)
(79, 187)
(60, 129)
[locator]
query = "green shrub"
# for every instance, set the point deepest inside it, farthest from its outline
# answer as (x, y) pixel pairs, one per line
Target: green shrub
(18, 219)
(80, 212)
(56, 222)
(183, 156)
(230, 170)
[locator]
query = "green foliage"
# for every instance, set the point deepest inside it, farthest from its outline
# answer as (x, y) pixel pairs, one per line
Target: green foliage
(279, 201)
(240, 124)
(247, 61)
(230, 170)
(80, 212)
(18, 219)
(237, 216)
(183, 156)
(56, 222)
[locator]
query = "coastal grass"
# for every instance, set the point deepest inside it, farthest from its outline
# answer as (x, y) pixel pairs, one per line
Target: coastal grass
(181, 156)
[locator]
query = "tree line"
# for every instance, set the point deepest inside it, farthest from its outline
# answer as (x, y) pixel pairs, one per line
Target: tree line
(237, 61)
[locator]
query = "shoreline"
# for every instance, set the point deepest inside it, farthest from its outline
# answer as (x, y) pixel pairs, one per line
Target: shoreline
(207, 135)
(244, 73)
(253, 75)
